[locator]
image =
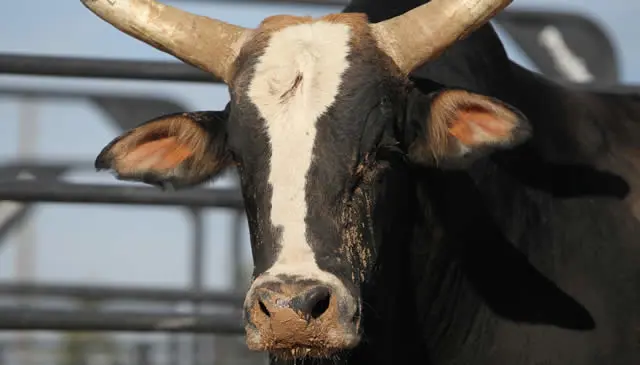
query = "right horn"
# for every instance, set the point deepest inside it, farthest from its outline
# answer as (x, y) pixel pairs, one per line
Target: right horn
(209, 44)
(423, 33)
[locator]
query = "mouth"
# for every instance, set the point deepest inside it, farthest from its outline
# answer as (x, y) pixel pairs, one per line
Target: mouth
(297, 353)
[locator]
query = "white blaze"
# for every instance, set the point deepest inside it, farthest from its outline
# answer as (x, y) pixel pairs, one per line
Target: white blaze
(316, 52)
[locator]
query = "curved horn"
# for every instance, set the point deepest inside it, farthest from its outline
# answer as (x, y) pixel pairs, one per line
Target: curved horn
(206, 43)
(426, 31)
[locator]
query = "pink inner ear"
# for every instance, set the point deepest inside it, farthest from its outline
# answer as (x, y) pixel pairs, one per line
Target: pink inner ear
(476, 126)
(160, 155)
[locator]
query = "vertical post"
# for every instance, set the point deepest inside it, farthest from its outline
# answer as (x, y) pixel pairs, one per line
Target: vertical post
(143, 354)
(173, 350)
(236, 241)
(236, 249)
(3, 354)
(197, 276)
(230, 350)
(24, 268)
(27, 137)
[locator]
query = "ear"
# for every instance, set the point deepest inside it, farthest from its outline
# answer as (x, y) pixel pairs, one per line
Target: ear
(452, 128)
(183, 149)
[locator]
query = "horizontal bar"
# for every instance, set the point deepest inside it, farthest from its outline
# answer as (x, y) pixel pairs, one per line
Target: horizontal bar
(25, 319)
(101, 68)
(119, 293)
(34, 191)
(622, 89)
(161, 71)
(76, 93)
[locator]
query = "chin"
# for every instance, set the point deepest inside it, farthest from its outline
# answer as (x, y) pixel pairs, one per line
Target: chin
(324, 346)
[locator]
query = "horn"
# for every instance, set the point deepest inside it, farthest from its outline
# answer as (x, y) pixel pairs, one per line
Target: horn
(206, 43)
(421, 34)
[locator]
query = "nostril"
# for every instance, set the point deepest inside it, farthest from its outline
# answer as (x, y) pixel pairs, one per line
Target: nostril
(314, 302)
(263, 308)
(321, 306)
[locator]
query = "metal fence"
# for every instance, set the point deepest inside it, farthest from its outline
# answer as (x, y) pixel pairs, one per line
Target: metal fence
(208, 332)
(103, 349)
(211, 312)
(93, 319)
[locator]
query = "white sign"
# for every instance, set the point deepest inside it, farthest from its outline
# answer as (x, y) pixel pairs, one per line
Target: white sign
(567, 63)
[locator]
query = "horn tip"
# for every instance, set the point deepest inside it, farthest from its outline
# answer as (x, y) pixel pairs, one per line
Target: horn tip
(91, 4)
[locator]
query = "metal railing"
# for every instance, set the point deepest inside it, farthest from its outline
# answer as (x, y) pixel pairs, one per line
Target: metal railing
(107, 293)
(13, 64)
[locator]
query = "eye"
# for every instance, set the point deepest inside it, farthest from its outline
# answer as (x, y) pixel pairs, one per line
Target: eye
(389, 150)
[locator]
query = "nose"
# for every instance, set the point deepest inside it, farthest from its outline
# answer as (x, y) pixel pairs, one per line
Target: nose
(309, 304)
(308, 316)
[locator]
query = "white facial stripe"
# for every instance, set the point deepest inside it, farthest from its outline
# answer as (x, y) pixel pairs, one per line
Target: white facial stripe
(311, 58)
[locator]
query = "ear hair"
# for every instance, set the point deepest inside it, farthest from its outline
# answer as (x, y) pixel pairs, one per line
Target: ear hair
(461, 126)
(181, 149)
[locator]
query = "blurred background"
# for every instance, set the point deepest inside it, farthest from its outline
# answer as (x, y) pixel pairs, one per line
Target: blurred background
(94, 271)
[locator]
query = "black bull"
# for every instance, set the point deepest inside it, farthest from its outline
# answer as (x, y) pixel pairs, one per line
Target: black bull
(541, 261)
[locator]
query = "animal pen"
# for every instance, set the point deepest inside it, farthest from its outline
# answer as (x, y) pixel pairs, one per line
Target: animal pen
(189, 336)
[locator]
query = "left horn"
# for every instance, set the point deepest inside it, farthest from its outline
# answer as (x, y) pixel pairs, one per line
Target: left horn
(423, 33)
(209, 44)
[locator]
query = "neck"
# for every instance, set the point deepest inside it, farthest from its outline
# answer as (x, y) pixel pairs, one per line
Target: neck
(419, 304)
(443, 264)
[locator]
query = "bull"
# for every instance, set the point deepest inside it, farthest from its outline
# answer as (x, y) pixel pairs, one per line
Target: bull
(412, 194)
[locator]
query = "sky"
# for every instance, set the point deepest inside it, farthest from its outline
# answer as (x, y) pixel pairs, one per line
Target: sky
(150, 246)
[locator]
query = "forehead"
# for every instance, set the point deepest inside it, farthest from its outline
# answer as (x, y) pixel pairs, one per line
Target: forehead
(297, 74)
(357, 23)
(292, 33)
(285, 54)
